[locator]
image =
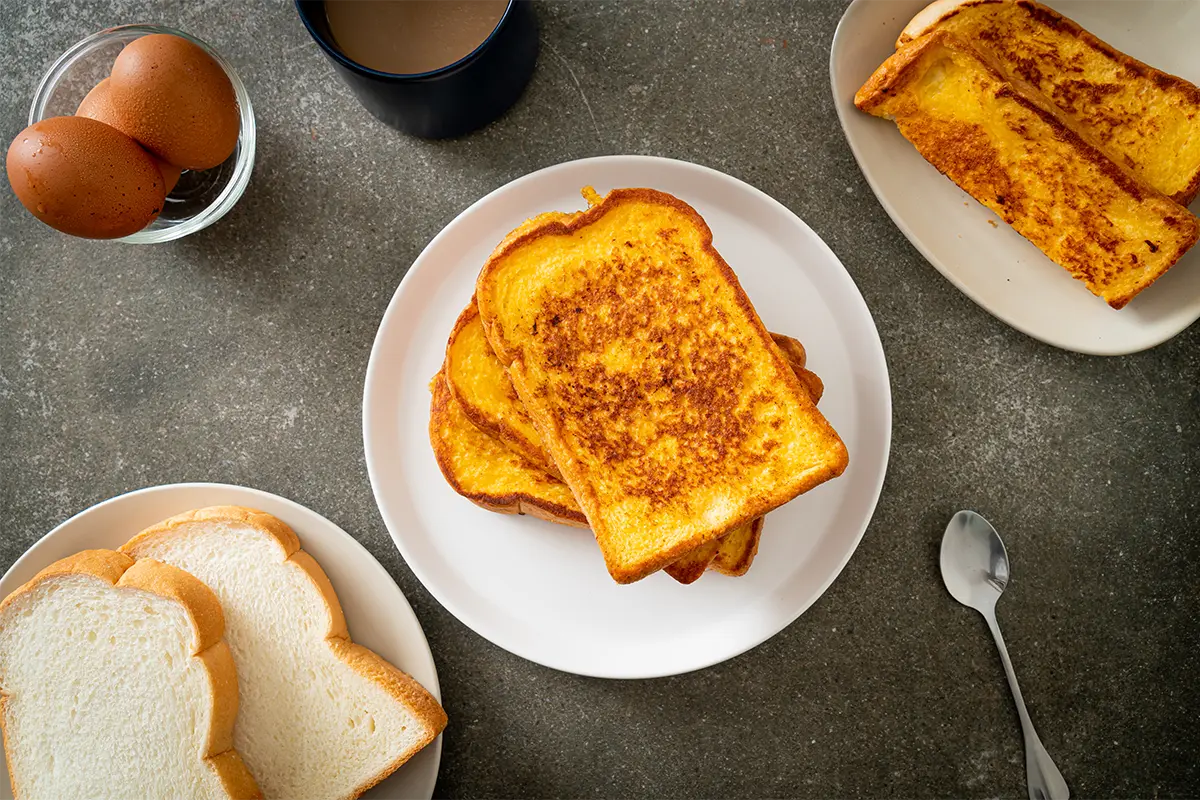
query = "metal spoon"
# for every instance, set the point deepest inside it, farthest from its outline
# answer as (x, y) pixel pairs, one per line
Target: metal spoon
(975, 569)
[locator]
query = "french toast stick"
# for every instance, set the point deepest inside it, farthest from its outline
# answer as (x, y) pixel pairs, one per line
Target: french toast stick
(1145, 119)
(1012, 150)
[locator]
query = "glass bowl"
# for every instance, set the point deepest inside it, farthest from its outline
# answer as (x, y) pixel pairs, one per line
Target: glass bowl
(201, 197)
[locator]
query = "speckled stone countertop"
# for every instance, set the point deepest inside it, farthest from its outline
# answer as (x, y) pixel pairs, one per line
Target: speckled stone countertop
(238, 355)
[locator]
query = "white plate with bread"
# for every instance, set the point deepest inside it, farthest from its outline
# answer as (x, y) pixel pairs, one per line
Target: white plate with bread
(194, 640)
(547, 592)
(972, 245)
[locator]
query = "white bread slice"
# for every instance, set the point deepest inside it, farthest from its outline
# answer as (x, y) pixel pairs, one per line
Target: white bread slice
(117, 683)
(320, 716)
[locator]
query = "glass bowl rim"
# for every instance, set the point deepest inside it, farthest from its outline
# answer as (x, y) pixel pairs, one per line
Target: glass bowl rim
(244, 165)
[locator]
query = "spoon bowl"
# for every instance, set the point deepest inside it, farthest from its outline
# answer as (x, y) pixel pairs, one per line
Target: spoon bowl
(974, 561)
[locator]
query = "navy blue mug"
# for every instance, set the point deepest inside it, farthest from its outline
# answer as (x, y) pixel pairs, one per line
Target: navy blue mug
(449, 101)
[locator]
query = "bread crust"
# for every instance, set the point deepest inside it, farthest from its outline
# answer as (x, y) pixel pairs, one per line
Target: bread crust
(550, 429)
(203, 610)
(694, 564)
(401, 686)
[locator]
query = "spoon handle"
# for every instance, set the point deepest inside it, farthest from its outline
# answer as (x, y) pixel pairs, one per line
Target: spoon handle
(1045, 781)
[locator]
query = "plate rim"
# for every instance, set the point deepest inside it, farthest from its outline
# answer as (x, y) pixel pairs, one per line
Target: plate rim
(840, 35)
(426, 653)
(374, 380)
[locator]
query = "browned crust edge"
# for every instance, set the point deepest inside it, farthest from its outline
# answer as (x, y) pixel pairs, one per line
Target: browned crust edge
(693, 565)
(792, 349)
(121, 571)
(905, 37)
(741, 565)
(401, 686)
(510, 503)
(899, 70)
(893, 74)
(1053, 19)
(497, 428)
(551, 438)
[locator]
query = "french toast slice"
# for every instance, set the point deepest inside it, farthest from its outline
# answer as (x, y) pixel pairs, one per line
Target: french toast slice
(669, 411)
(1007, 146)
(498, 479)
(1144, 118)
(484, 393)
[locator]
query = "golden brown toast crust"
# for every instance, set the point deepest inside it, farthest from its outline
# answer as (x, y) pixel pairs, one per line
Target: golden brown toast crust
(585, 423)
(739, 549)
(730, 555)
(1062, 192)
(459, 448)
(1129, 108)
(694, 564)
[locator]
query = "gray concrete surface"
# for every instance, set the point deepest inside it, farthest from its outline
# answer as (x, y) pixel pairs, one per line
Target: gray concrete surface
(238, 355)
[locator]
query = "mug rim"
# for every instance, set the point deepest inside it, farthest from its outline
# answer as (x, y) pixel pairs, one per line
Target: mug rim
(345, 61)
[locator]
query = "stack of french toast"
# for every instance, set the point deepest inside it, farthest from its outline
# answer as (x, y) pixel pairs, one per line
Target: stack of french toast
(611, 373)
(1090, 154)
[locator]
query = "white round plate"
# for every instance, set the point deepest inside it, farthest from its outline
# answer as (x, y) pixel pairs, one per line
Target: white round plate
(995, 266)
(541, 590)
(378, 615)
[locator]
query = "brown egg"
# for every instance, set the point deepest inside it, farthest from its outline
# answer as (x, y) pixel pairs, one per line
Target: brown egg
(98, 105)
(175, 100)
(84, 178)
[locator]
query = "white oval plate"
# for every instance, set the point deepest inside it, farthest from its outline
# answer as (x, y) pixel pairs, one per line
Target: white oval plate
(995, 266)
(376, 611)
(540, 590)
